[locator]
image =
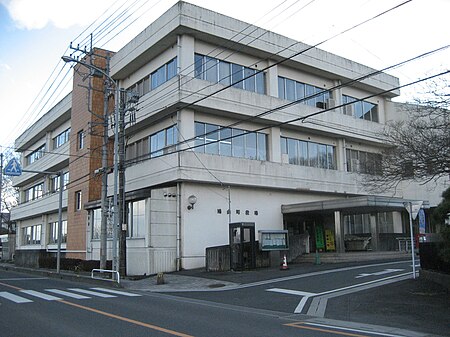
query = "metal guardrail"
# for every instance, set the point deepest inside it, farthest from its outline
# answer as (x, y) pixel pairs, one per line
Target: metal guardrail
(112, 272)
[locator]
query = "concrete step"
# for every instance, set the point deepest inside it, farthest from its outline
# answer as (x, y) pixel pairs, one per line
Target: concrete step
(351, 257)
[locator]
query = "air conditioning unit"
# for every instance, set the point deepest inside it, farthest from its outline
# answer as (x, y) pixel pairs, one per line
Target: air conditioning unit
(321, 105)
(348, 110)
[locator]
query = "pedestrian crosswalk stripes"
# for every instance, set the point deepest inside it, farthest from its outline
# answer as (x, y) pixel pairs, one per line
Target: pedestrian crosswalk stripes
(93, 293)
(41, 295)
(28, 296)
(14, 298)
(116, 292)
(67, 294)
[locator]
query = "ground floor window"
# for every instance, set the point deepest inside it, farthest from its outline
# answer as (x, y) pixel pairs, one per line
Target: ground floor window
(96, 216)
(385, 222)
(53, 232)
(136, 219)
(31, 235)
(357, 224)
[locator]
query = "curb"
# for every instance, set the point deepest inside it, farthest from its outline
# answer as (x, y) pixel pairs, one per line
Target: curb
(83, 277)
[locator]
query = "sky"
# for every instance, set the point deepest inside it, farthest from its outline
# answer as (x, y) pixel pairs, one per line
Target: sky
(35, 34)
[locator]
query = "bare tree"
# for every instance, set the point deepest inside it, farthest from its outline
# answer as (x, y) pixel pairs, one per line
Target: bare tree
(417, 147)
(10, 194)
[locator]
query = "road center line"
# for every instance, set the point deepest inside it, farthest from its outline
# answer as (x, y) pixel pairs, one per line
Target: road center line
(128, 320)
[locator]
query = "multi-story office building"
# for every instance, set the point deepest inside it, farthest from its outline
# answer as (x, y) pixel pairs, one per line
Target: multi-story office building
(234, 124)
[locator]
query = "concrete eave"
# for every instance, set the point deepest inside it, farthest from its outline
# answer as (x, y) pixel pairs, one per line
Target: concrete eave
(360, 204)
(218, 29)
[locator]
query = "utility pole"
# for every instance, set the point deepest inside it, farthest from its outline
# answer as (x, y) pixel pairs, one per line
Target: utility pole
(104, 193)
(128, 101)
(122, 213)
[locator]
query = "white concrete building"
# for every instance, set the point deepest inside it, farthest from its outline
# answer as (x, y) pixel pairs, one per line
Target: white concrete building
(214, 121)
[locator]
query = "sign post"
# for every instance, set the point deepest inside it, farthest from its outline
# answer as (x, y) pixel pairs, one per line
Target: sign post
(413, 210)
(13, 168)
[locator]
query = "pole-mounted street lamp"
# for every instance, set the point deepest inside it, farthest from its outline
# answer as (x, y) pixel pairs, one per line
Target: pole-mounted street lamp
(69, 59)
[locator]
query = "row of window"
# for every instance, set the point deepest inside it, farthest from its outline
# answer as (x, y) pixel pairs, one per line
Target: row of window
(37, 191)
(363, 162)
(225, 141)
(318, 97)
(214, 139)
(307, 153)
(360, 109)
(61, 139)
(35, 155)
(58, 141)
(31, 235)
(360, 223)
(157, 144)
(308, 94)
(136, 221)
(227, 73)
(156, 78)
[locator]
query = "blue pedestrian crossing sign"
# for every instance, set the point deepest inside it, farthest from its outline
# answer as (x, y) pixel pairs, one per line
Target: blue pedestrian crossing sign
(13, 168)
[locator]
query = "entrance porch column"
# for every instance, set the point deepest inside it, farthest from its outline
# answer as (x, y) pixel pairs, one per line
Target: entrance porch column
(374, 231)
(339, 231)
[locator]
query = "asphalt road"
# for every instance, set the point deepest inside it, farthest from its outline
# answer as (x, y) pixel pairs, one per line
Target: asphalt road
(327, 302)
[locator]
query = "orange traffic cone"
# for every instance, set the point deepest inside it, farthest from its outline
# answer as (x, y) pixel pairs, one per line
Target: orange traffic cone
(284, 265)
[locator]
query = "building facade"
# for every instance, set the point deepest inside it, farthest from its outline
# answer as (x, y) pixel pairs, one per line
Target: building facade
(234, 124)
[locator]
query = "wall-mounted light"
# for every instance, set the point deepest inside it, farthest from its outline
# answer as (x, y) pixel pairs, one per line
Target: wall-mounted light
(191, 200)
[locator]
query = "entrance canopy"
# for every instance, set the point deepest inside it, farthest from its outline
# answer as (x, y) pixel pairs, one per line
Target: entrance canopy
(364, 204)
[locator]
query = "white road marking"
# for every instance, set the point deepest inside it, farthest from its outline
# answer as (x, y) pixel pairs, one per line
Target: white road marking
(90, 292)
(117, 292)
(319, 302)
(306, 296)
(67, 294)
(41, 295)
(23, 278)
(291, 292)
(14, 298)
(386, 271)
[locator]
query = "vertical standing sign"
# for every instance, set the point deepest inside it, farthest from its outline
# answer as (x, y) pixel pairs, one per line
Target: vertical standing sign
(413, 210)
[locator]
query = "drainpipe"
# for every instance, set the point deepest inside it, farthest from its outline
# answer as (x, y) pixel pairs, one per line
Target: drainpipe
(178, 267)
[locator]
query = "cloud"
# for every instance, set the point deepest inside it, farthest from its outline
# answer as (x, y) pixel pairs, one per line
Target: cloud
(32, 14)
(4, 66)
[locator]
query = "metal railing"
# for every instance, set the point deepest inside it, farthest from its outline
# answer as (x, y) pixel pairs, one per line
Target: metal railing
(112, 272)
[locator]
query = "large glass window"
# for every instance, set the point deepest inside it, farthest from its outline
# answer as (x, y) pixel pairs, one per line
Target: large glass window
(385, 222)
(163, 141)
(136, 219)
(357, 224)
(163, 73)
(363, 162)
(360, 109)
(214, 139)
(31, 235)
(53, 232)
(97, 225)
(305, 93)
(218, 71)
(61, 139)
(55, 182)
(306, 153)
(35, 155)
(34, 192)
